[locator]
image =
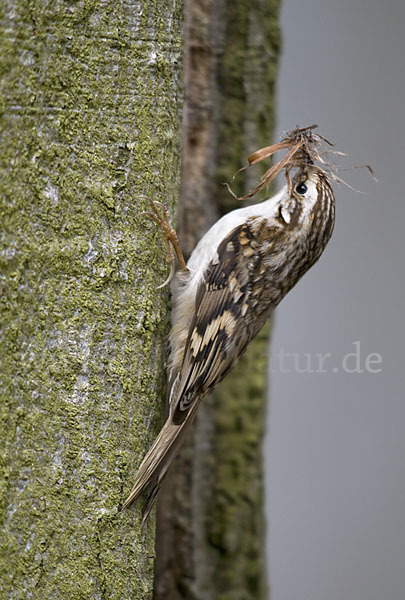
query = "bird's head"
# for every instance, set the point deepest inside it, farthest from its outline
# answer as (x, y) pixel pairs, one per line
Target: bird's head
(308, 198)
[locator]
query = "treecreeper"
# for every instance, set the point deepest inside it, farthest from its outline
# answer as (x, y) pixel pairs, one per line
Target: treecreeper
(236, 276)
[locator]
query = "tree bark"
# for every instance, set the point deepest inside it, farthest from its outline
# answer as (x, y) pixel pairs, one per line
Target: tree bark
(89, 119)
(211, 525)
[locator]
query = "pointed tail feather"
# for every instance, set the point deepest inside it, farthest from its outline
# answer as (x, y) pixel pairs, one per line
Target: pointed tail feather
(156, 463)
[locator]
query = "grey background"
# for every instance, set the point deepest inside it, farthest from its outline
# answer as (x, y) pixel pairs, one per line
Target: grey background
(336, 448)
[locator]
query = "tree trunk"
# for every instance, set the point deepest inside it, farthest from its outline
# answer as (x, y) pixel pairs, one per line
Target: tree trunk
(211, 525)
(89, 119)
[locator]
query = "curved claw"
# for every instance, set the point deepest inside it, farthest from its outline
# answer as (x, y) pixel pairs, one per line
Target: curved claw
(170, 277)
(158, 203)
(145, 213)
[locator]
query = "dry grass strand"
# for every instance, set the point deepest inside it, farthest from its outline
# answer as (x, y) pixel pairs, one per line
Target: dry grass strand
(304, 147)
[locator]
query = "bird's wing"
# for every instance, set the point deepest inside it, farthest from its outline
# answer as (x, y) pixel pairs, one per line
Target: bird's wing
(219, 331)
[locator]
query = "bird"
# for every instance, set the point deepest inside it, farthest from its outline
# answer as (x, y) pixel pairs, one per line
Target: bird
(234, 279)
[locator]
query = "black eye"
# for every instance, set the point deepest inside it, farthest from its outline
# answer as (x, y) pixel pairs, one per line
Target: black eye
(301, 188)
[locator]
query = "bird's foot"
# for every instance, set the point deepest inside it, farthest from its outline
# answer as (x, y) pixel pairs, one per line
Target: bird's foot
(160, 216)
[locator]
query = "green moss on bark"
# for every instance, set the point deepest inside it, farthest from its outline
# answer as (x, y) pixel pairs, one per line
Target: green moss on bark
(89, 120)
(235, 521)
(246, 80)
(236, 525)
